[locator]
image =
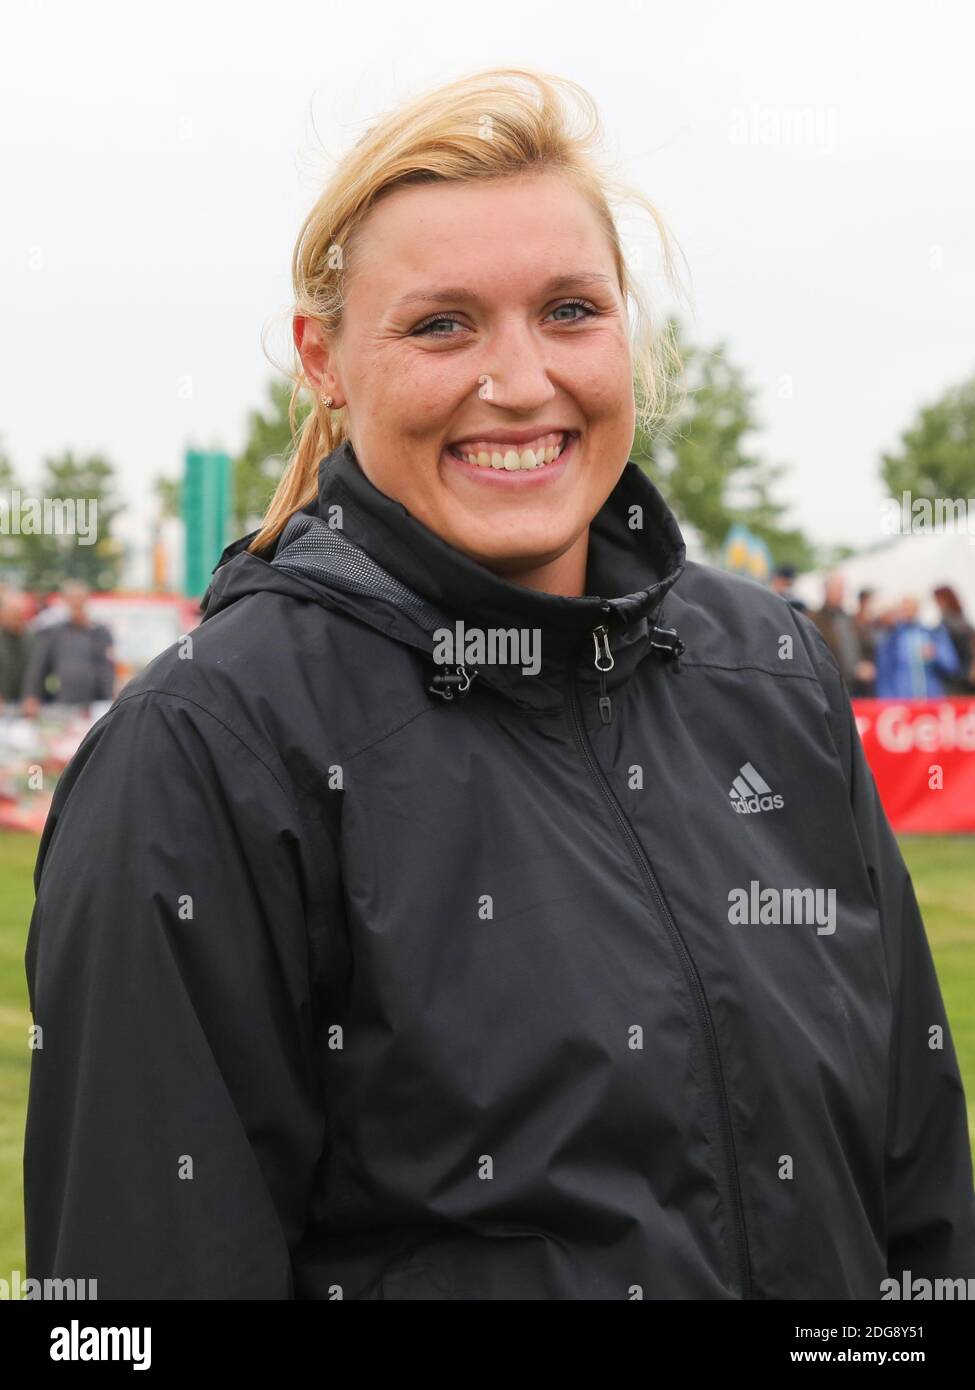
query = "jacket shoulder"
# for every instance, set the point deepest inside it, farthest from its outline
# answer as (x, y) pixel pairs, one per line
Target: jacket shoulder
(734, 623)
(730, 620)
(293, 679)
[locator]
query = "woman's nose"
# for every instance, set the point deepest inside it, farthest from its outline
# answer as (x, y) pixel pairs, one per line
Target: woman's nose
(518, 376)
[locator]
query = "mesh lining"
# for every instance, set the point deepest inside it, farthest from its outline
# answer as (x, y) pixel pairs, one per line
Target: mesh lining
(309, 547)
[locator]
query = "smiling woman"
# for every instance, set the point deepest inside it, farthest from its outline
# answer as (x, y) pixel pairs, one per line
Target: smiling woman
(467, 310)
(382, 948)
(553, 415)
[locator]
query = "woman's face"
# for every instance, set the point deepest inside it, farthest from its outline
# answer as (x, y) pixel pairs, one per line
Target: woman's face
(479, 319)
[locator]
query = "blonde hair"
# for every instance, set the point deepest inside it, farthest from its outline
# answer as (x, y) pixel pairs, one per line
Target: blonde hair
(489, 125)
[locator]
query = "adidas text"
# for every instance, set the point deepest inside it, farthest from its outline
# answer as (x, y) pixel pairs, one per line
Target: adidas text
(751, 793)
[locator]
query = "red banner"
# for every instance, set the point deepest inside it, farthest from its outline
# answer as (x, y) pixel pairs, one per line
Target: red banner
(922, 755)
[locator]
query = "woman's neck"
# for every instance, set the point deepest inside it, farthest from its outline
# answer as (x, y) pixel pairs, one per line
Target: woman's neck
(565, 575)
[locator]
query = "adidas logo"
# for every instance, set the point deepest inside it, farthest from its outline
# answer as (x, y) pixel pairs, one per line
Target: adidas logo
(750, 792)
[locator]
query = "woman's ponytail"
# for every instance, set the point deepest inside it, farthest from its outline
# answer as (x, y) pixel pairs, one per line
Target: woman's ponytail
(315, 438)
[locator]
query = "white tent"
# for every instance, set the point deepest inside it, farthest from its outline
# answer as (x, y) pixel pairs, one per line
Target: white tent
(912, 564)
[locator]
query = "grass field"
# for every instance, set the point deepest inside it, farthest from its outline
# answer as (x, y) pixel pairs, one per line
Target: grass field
(17, 855)
(943, 870)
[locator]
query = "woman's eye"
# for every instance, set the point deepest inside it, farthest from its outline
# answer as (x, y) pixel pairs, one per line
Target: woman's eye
(575, 304)
(423, 330)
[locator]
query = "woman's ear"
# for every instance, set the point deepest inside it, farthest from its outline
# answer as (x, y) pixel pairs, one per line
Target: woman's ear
(317, 357)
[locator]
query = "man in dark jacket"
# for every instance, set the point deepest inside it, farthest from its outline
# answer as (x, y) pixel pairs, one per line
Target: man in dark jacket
(840, 632)
(865, 625)
(364, 975)
(70, 662)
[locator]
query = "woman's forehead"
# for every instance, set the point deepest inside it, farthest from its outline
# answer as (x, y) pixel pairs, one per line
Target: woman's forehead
(493, 232)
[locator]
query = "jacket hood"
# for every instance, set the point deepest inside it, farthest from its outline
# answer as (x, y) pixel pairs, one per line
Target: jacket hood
(360, 551)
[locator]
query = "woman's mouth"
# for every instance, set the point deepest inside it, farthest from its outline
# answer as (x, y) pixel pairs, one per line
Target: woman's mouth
(541, 460)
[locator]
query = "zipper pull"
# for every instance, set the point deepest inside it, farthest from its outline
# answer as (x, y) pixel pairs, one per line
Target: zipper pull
(603, 662)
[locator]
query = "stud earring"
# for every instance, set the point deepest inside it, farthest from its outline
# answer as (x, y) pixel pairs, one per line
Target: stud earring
(326, 400)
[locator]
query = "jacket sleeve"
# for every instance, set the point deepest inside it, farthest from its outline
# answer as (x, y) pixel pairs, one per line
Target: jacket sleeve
(175, 1119)
(930, 1200)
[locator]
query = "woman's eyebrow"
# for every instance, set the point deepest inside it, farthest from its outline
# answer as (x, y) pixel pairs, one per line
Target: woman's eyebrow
(457, 293)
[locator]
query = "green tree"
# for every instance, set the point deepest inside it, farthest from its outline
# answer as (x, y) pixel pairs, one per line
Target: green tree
(167, 492)
(259, 466)
(9, 544)
(85, 487)
(701, 462)
(937, 453)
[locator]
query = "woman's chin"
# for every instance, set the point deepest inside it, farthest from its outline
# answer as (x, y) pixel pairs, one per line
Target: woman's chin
(521, 551)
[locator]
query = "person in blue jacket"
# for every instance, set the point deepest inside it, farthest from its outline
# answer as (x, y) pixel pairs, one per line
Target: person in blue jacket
(913, 660)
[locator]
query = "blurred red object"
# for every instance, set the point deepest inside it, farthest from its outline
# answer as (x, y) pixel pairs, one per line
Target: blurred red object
(922, 756)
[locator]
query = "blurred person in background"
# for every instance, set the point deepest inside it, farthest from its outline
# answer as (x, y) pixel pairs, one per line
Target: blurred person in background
(962, 636)
(13, 645)
(914, 661)
(70, 661)
(783, 578)
(839, 630)
(50, 610)
(867, 627)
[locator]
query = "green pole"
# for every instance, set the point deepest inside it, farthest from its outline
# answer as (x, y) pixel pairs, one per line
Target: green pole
(207, 511)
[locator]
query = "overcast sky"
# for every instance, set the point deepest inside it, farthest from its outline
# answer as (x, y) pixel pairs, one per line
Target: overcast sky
(814, 162)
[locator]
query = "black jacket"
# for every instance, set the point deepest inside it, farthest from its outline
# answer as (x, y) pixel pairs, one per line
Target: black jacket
(365, 976)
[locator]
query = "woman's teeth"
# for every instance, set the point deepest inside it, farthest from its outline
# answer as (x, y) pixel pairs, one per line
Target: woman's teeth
(487, 455)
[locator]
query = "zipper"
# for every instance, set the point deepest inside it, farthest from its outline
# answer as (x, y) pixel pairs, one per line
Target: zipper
(732, 1181)
(604, 661)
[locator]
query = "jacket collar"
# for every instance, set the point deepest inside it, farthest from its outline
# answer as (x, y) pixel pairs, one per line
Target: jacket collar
(636, 554)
